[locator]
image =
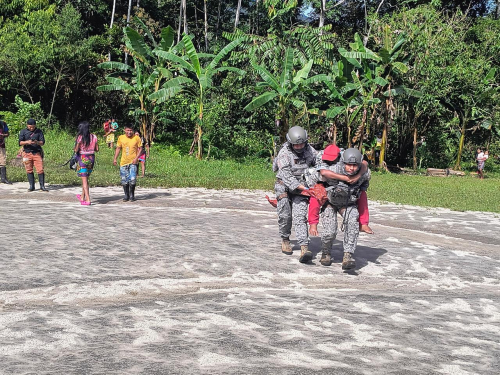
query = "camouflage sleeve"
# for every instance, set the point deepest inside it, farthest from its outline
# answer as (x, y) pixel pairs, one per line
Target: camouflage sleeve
(285, 171)
(365, 181)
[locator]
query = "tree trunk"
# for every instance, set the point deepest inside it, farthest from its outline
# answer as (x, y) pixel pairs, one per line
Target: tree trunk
(206, 25)
(362, 131)
(461, 144)
(415, 143)
(128, 21)
(59, 76)
(237, 18)
(180, 22)
(218, 20)
(111, 24)
(322, 15)
(184, 11)
(497, 15)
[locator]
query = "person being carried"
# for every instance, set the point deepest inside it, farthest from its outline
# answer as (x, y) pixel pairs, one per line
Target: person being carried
(32, 140)
(4, 133)
(295, 156)
(85, 147)
(130, 147)
(144, 153)
(342, 198)
(331, 156)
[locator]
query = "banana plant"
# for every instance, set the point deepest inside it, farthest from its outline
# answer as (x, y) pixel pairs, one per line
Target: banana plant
(286, 91)
(145, 76)
(194, 79)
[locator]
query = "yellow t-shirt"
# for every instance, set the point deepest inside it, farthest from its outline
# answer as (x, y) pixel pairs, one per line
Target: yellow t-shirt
(129, 147)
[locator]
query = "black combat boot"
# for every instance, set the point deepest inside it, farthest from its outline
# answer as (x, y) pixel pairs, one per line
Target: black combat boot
(126, 198)
(132, 192)
(31, 180)
(41, 180)
(3, 173)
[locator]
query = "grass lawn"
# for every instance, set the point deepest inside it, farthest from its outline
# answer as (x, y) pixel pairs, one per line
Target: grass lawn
(166, 168)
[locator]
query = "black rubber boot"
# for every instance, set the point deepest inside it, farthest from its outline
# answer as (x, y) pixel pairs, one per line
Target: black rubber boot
(41, 180)
(132, 192)
(126, 198)
(31, 180)
(3, 173)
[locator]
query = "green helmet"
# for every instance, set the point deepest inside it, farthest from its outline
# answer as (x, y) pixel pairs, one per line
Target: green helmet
(296, 135)
(352, 156)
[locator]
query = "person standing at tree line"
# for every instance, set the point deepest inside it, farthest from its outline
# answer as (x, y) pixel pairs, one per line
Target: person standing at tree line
(4, 133)
(130, 147)
(86, 146)
(32, 140)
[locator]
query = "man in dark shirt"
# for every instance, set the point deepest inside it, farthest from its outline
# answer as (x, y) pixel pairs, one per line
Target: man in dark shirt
(4, 133)
(32, 140)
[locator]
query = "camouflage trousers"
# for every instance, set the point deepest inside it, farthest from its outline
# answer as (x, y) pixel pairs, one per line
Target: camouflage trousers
(292, 208)
(351, 228)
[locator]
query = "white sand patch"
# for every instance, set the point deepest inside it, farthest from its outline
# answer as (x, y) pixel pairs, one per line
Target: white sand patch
(466, 350)
(414, 352)
(422, 302)
(373, 269)
(460, 253)
(9, 333)
(453, 370)
(475, 327)
(457, 305)
(392, 239)
(398, 317)
(328, 348)
(290, 335)
(363, 307)
(214, 359)
(299, 359)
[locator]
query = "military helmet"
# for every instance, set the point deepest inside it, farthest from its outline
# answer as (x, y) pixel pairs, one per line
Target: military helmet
(296, 135)
(352, 156)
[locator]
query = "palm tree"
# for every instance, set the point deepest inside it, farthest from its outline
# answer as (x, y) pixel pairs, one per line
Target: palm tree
(145, 76)
(286, 91)
(194, 79)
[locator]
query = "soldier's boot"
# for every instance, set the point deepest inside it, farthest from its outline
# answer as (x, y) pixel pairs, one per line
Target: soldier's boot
(326, 258)
(348, 262)
(286, 247)
(132, 193)
(41, 180)
(31, 180)
(305, 254)
(3, 172)
(126, 198)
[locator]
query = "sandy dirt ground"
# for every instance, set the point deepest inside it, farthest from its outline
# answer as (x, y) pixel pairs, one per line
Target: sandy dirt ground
(192, 281)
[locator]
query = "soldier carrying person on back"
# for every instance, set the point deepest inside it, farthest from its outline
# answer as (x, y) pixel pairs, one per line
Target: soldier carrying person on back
(295, 156)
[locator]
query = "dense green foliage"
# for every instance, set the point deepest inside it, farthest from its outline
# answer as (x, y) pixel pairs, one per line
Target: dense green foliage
(228, 81)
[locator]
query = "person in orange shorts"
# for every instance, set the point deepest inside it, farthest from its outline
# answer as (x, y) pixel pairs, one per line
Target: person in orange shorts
(32, 140)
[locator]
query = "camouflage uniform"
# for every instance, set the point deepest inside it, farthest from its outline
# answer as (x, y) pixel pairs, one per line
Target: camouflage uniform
(341, 198)
(292, 207)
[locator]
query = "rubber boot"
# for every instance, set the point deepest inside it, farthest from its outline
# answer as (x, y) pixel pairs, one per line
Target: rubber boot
(348, 262)
(31, 180)
(326, 258)
(3, 173)
(305, 254)
(126, 198)
(41, 180)
(286, 248)
(132, 193)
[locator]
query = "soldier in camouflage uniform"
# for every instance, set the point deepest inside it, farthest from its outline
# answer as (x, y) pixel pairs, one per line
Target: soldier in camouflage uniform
(342, 198)
(292, 161)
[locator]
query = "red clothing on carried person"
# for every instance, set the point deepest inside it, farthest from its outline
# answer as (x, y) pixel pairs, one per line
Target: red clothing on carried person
(364, 215)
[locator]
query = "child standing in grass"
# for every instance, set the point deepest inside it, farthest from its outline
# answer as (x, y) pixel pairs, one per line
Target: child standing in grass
(144, 153)
(85, 147)
(481, 158)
